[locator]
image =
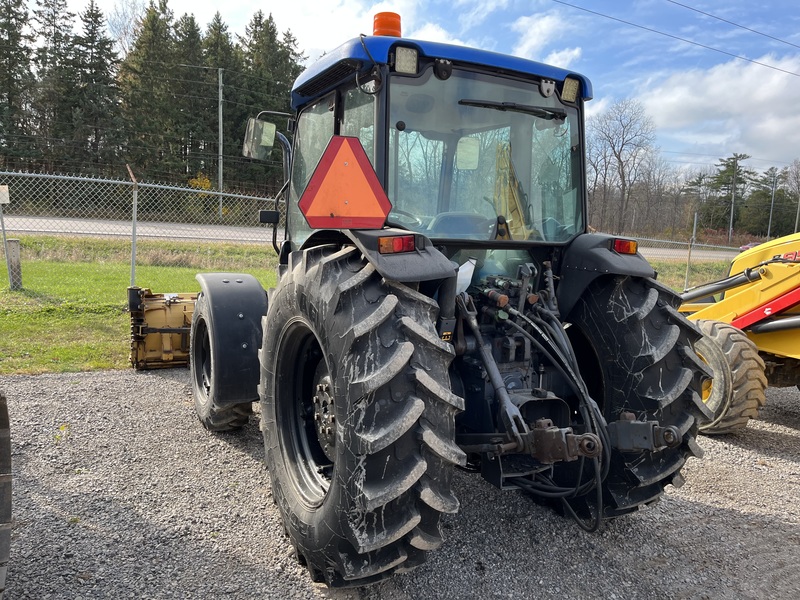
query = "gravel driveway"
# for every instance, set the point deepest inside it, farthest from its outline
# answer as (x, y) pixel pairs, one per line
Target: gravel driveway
(120, 493)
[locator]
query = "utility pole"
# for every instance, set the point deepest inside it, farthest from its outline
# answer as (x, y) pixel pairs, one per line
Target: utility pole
(797, 216)
(733, 199)
(219, 143)
(772, 202)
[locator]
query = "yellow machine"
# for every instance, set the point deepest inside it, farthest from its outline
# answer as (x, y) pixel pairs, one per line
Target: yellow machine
(751, 322)
(160, 326)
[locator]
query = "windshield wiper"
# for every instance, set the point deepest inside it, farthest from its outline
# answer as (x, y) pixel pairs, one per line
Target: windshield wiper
(536, 111)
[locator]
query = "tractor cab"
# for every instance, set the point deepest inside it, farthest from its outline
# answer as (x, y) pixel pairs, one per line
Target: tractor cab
(468, 145)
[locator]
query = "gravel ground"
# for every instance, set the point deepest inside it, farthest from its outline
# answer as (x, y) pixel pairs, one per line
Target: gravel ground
(120, 493)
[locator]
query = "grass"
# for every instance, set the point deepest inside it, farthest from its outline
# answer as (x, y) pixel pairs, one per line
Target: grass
(71, 313)
(673, 273)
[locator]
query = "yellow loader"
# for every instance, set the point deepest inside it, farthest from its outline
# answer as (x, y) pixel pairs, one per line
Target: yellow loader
(751, 326)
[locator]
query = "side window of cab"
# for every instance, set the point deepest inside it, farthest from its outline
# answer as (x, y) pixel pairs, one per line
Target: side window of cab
(315, 127)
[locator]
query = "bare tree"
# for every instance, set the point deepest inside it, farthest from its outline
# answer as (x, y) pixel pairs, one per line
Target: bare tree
(629, 134)
(123, 23)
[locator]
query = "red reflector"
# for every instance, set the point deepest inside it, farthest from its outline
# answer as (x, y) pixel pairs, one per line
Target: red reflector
(625, 246)
(396, 244)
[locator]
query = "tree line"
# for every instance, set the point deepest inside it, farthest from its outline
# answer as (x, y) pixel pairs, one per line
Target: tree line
(71, 103)
(634, 190)
(75, 99)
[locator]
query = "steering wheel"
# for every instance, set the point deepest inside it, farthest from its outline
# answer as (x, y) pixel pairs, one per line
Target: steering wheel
(406, 218)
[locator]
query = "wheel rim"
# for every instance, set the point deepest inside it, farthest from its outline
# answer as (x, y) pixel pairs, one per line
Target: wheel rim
(305, 414)
(708, 384)
(201, 359)
(716, 393)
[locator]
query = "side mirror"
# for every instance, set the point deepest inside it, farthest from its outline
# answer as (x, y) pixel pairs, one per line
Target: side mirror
(259, 139)
(269, 217)
(468, 153)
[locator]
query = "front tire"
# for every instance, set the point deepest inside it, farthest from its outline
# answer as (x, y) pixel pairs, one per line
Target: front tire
(203, 363)
(739, 388)
(358, 417)
(635, 353)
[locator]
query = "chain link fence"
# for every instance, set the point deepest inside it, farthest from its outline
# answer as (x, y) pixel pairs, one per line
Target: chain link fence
(163, 225)
(153, 224)
(687, 264)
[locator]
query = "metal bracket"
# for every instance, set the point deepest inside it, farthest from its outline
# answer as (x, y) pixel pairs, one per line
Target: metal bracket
(629, 435)
(552, 444)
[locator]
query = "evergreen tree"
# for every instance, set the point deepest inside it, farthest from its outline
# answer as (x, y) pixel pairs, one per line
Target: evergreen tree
(16, 80)
(731, 182)
(54, 97)
(148, 99)
(97, 120)
(271, 66)
(195, 95)
(768, 209)
(220, 53)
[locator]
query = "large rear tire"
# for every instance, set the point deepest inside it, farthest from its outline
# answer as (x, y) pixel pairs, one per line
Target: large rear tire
(204, 376)
(635, 353)
(738, 390)
(358, 417)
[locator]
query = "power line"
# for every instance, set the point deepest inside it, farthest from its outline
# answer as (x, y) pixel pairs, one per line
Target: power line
(734, 24)
(675, 37)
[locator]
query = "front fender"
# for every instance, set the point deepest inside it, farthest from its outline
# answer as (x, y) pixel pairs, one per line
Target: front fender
(236, 302)
(591, 256)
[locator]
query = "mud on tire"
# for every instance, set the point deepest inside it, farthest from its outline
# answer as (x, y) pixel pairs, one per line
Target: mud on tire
(635, 353)
(739, 388)
(357, 416)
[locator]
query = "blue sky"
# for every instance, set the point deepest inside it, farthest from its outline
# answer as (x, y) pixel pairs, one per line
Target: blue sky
(705, 103)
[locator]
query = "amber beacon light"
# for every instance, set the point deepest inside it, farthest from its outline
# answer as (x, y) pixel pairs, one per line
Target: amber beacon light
(386, 23)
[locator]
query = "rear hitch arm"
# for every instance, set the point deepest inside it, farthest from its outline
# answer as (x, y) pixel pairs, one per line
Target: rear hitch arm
(509, 413)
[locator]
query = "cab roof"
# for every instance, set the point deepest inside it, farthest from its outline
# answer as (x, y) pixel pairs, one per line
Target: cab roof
(355, 54)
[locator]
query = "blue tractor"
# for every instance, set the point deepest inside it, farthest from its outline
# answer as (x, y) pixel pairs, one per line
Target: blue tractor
(441, 305)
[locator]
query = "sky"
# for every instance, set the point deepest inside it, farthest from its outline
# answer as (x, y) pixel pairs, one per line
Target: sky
(716, 78)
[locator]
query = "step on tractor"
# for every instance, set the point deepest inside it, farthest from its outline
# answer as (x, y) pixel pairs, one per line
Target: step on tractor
(439, 305)
(751, 326)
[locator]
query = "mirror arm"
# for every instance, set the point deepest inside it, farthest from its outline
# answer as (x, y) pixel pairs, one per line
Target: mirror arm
(286, 146)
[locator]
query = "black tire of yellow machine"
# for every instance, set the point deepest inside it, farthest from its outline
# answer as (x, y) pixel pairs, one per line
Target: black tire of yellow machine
(635, 353)
(358, 417)
(5, 492)
(738, 390)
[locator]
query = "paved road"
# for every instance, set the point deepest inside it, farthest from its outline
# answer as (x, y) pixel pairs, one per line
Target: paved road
(255, 234)
(144, 229)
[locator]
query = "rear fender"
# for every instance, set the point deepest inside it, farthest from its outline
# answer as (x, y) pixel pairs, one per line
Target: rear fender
(236, 302)
(591, 256)
(424, 263)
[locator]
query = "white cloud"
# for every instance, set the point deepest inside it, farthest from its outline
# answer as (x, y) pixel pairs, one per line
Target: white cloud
(536, 32)
(475, 12)
(434, 33)
(732, 107)
(563, 58)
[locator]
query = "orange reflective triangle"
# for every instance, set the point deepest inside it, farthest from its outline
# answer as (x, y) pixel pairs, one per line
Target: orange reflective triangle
(344, 191)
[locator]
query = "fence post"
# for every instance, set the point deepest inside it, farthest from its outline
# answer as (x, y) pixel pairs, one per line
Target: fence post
(10, 247)
(134, 209)
(14, 264)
